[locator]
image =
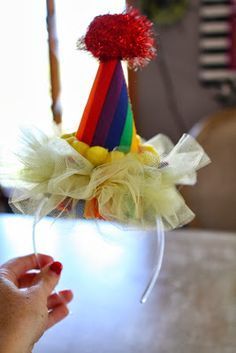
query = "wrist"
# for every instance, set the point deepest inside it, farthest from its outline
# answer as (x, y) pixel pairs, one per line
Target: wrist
(13, 344)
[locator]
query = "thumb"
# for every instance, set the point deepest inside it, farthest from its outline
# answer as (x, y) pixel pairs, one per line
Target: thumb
(50, 276)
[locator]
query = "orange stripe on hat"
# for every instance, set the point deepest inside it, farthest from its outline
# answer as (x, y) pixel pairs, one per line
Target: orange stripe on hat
(96, 101)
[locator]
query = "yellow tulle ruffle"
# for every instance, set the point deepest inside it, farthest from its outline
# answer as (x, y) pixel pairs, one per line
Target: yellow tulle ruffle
(132, 190)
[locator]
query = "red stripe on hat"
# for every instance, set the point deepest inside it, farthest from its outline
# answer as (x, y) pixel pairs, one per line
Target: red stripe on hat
(96, 101)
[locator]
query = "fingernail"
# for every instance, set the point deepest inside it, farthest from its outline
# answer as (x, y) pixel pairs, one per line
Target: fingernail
(56, 267)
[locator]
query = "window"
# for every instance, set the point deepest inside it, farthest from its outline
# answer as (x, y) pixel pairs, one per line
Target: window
(24, 70)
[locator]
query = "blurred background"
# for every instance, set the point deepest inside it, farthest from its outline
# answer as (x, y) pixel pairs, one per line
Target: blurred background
(190, 86)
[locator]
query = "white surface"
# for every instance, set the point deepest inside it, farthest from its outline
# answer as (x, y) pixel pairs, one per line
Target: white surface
(192, 308)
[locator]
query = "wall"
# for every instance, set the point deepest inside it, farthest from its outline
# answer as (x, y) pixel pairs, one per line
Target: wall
(178, 58)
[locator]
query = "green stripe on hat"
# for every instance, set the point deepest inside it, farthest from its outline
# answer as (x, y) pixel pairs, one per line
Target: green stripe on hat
(126, 138)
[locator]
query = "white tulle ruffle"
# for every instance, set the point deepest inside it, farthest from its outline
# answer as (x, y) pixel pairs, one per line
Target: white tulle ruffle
(127, 191)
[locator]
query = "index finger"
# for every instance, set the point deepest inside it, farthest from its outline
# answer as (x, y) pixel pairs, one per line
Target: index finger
(15, 268)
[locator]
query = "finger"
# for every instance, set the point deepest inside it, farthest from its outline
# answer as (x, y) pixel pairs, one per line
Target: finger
(27, 280)
(14, 268)
(57, 314)
(49, 277)
(62, 297)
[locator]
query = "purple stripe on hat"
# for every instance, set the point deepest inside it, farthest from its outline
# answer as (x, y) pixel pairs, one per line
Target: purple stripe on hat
(118, 123)
(109, 107)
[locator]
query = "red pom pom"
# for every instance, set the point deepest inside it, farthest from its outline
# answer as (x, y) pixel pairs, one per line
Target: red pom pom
(127, 36)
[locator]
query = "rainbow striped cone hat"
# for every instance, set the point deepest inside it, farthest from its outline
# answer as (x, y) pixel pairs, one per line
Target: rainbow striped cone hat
(108, 119)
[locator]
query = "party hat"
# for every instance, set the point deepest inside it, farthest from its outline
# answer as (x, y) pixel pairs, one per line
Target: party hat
(108, 120)
(103, 170)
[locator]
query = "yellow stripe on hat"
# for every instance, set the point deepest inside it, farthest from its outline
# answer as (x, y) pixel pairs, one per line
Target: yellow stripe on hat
(134, 143)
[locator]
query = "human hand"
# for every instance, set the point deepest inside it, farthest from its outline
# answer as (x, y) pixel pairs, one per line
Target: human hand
(27, 307)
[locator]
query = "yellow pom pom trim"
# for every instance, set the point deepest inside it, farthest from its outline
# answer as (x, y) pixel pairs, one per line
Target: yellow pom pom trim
(148, 148)
(97, 155)
(80, 147)
(114, 156)
(148, 155)
(70, 139)
(149, 158)
(66, 136)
